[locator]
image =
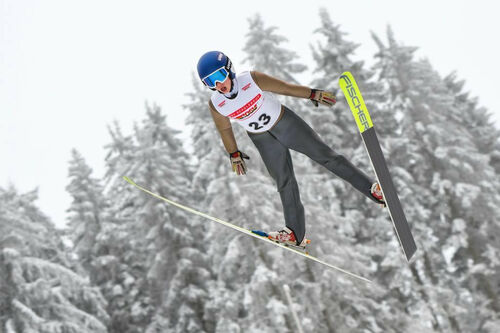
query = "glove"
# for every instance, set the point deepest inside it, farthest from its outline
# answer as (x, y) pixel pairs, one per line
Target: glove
(238, 163)
(323, 97)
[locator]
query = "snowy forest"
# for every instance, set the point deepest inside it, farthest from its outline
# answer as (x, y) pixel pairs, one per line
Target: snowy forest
(128, 262)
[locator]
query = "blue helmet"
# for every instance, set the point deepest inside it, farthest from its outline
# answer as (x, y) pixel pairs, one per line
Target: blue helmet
(210, 62)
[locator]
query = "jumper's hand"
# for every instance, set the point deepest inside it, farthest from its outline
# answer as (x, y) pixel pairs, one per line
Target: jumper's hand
(323, 97)
(238, 163)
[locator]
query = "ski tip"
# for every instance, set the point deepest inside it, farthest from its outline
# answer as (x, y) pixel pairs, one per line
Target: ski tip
(346, 74)
(129, 180)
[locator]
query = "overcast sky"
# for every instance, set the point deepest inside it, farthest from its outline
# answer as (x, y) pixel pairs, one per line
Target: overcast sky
(70, 68)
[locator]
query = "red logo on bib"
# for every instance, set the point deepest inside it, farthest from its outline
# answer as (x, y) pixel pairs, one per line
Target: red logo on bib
(222, 104)
(247, 86)
(247, 110)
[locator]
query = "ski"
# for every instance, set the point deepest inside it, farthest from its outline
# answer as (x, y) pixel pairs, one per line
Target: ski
(259, 235)
(372, 145)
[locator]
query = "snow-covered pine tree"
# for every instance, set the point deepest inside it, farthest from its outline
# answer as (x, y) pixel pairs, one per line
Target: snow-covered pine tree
(162, 267)
(484, 212)
(211, 158)
(454, 203)
(87, 211)
(486, 137)
(120, 265)
(477, 119)
(265, 53)
(333, 54)
(179, 268)
(39, 291)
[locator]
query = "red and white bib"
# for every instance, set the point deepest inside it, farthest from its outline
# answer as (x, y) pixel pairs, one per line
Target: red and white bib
(257, 111)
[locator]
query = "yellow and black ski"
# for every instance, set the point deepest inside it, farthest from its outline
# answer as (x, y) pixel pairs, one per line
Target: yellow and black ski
(372, 145)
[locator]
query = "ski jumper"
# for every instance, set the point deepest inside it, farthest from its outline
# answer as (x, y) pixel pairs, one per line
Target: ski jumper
(274, 129)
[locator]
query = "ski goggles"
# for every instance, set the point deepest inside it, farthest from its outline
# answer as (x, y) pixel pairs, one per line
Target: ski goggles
(219, 75)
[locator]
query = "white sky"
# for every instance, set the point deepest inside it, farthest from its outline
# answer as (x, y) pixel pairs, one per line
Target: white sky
(69, 68)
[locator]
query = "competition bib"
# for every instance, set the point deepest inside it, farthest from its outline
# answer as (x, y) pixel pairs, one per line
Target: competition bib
(257, 111)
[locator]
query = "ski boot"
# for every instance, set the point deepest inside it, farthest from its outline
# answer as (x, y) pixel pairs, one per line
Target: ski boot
(287, 238)
(376, 192)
